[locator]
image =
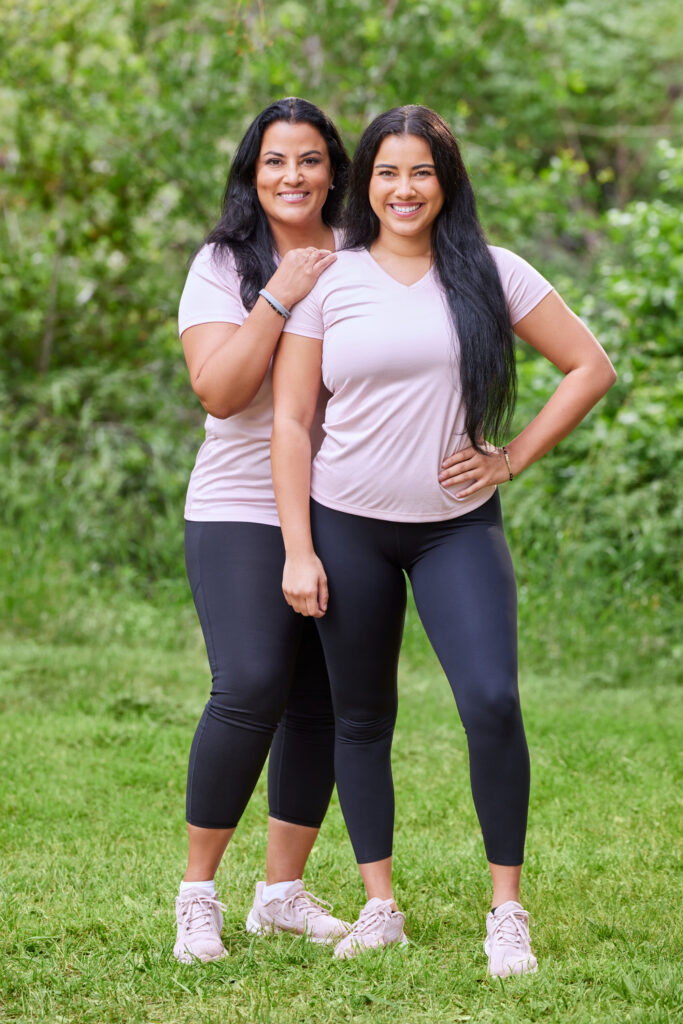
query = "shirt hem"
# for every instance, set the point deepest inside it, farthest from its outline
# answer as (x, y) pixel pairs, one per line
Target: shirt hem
(417, 517)
(531, 305)
(199, 320)
(231, 515)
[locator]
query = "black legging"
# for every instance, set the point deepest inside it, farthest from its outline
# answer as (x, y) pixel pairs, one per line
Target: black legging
(464, 587)
(268, 668)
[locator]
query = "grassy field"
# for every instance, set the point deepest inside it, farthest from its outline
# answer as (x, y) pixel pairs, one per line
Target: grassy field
(99, 702)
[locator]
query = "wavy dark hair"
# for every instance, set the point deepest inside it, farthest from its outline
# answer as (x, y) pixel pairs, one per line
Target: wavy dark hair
(466, 269)
(243, 228)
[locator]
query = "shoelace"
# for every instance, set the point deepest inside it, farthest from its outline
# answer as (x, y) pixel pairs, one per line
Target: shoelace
(368, 919)
(196, 913)
(315, 907)
(510, 929)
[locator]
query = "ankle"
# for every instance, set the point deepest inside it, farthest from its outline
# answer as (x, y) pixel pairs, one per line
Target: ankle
(504, 897)
(382, 895)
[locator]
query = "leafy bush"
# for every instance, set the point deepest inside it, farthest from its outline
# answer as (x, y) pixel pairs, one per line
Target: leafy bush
(97, 463)
(616, 477)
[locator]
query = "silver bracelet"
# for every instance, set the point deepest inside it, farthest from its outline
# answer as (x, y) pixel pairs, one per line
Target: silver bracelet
(274, 304)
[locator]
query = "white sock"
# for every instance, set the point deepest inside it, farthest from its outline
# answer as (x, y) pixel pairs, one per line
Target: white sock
(208, 886)
(276, 891)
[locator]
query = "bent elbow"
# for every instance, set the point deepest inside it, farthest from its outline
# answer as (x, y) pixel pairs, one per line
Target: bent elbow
(210, 403)
(610, 376)
(218, 410)
(602, 374)
(218, 406)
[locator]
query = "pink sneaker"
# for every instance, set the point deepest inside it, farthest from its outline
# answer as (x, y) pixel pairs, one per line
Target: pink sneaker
(298, 911)
(378, 925)
(508, 945)
(200, 921)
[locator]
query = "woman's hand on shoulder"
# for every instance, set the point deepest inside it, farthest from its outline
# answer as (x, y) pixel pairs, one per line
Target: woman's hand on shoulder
(298, 272)
(469, 470)
(304, 584)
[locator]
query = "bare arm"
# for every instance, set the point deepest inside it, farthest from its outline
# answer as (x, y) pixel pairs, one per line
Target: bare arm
(296, 383)
(558, 334)
(227, 362)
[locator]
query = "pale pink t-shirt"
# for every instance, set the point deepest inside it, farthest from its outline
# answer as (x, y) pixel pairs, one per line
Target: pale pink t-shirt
(231, 479)
(396, 407)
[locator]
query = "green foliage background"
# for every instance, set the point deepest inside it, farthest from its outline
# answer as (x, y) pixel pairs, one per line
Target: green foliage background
(117, 123)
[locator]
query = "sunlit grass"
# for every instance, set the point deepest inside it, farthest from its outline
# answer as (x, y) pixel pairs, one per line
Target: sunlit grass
(97, 720)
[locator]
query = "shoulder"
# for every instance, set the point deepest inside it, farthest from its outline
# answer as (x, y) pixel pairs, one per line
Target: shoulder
(346, 270)
(212, 291)
(523, 285)
(512, 268)
(352, 257)
(349, 263)
(507, 260)
(215, 263)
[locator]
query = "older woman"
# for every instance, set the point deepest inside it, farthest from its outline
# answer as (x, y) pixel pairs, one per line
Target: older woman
(276, 236)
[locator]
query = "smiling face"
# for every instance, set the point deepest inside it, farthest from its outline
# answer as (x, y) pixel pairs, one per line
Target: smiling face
(404, 190)
(293, 174)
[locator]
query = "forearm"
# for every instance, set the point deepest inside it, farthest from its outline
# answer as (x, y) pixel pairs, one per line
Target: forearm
(290, 457)
(574, 397)
(229, 378)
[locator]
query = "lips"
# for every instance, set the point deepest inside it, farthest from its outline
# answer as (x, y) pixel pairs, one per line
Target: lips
(405, 209)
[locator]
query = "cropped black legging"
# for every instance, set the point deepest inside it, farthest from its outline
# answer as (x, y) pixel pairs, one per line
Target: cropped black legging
(464, 587)
(267, 667)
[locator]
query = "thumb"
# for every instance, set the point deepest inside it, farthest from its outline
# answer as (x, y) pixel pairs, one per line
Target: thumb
(323, 594)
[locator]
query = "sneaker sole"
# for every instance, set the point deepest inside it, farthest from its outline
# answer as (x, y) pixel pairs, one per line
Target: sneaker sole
(184, 956)
(359, 949)
(526, 967)
(256, 927)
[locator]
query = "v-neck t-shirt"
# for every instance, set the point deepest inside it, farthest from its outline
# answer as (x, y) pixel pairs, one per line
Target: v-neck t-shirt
(390, 362)
(231, 480)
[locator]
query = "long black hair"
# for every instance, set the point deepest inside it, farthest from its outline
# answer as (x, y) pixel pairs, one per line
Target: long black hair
(243, 228)
(465, 267)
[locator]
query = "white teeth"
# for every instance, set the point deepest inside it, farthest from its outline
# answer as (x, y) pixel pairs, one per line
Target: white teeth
(405, 209)
(292, 197)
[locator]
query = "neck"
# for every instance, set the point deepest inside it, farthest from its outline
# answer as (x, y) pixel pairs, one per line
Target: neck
(315, 233)
(411, 246)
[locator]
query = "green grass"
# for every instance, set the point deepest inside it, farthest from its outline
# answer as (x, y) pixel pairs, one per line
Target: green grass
(99, 699)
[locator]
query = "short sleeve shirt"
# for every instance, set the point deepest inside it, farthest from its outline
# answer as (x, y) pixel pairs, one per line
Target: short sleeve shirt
(231, 479)
(390, 361)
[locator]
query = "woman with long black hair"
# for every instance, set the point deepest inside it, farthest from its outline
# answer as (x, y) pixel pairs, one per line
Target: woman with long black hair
(275, 237)
(412, 333)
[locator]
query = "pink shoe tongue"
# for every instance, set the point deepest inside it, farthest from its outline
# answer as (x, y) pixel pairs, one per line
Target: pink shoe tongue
(376, 902)
(505, 908)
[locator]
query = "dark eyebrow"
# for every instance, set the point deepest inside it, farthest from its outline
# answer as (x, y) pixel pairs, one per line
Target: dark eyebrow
(415, 167)
(274, 152)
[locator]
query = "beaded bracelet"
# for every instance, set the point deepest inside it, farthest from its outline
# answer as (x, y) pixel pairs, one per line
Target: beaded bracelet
(274, 304)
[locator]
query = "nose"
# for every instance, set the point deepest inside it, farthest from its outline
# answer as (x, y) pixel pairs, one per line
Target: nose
(292, 172)
(404, 187)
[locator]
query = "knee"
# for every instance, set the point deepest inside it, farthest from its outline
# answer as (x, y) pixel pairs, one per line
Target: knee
(251, 696)
(497, 709)
(311, 724)
(363, 730)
